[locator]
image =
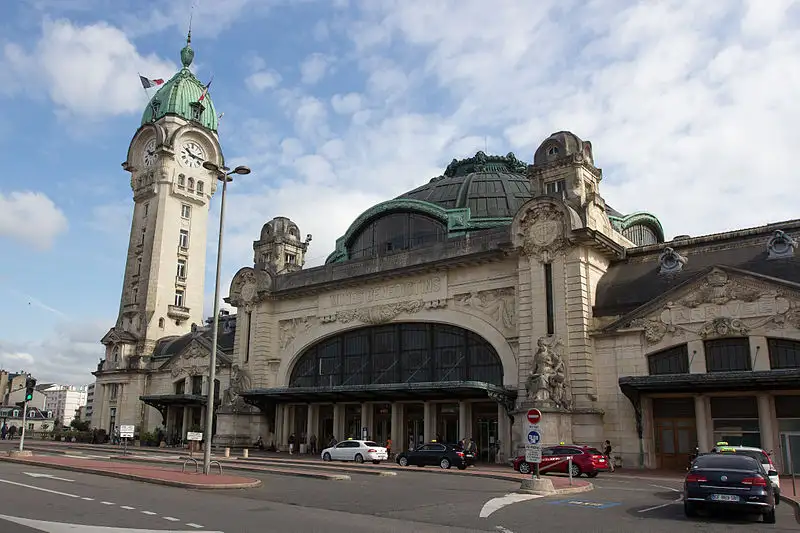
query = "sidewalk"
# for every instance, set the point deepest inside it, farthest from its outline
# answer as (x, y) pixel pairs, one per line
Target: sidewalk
(138, 472)
(790, 494)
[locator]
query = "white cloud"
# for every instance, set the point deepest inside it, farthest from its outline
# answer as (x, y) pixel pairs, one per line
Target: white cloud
(86, 70)
(31, 218)
(263, 80)
(346, 104)
(67, 356)
(313, 68)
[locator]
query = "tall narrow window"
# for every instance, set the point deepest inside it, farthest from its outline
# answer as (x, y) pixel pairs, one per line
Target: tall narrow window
(135, 295)
(247, 336)
(181, 181)
(138, 265)
(183, 240)
(186, 211)
(144, 232)
(181, 269)
(179, 298)
(191, 184)
(146, 208)
(199, 187)
(548, 294)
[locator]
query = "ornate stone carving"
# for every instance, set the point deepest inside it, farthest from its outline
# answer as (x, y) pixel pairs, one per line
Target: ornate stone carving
(244, 287)
(719, 289)
(289, 329)
(671, 261)
(542, 232)
(496, 304)
(381, 314)
(654, 330)
(781, 246)
(723, 327)
(547, 383)
(240, 382)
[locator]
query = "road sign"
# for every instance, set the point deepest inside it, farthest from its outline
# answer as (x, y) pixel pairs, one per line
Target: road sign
(194, 435)
(533, 453)
(534, 416)
(126, 432)
(534, 437)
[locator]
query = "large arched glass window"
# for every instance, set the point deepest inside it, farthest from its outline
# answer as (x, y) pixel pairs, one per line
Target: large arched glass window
(395, 232)
(398, 353)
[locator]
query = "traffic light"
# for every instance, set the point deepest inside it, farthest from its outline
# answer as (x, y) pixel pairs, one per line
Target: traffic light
(30, 385)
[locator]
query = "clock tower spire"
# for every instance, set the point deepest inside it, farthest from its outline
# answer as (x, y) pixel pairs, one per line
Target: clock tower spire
(163, 285)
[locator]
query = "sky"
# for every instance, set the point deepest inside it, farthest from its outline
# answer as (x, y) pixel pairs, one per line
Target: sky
(337, 105)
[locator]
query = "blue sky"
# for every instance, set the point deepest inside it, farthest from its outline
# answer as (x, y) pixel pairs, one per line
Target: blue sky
(337, 105)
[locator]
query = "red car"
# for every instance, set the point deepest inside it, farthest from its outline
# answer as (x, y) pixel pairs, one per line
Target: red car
(585, 460)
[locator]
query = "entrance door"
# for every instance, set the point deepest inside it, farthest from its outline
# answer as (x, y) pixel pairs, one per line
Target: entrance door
(790, 449)
(381, 423)
(487, 439)
(676, 439)
(416, 432)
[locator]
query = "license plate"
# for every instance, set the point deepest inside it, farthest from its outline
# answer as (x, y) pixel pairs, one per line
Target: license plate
(724, 498)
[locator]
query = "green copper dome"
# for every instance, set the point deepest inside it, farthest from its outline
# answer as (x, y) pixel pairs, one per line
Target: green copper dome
(181, 96)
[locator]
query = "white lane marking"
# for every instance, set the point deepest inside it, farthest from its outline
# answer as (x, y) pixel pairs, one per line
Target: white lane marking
(150, 513)
(498, 503)
(64, 527)
(128, 507)
(192, 524)
(88, 499)
(666, 488)
(50, 476)
(502, 529)
(679, 500)
(170, 519)
(68, 495)
(107, 503)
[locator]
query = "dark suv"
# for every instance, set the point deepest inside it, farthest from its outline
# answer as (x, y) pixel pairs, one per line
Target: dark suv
(434, 454)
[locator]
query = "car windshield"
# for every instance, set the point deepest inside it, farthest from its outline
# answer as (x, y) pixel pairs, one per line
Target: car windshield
(726, 461)
(370, 443)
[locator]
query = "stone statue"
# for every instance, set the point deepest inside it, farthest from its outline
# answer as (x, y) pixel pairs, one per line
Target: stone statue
(548, 381)
(240, 382)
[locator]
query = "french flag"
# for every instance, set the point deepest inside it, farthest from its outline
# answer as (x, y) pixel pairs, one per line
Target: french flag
(147, 83)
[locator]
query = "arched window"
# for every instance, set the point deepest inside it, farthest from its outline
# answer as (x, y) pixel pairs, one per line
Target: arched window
(640, 235)
(191, 184)
(181, 180)
(395, 232)
(199, 187)
(161, 322)
(398, 353)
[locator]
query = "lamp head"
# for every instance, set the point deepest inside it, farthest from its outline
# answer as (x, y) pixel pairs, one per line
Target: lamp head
(241, 169)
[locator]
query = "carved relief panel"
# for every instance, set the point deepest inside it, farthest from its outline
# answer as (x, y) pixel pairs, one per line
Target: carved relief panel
(497, 306)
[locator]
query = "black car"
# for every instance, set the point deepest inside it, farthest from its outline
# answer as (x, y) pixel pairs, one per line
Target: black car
(468, 456)
(729, 481)
(434, 454)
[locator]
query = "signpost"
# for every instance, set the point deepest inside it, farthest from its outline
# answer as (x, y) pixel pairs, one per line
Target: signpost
(533, 445)
(125, 432)
(192, 437)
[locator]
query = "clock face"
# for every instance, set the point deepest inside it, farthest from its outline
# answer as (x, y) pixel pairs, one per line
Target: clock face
(149, 157)
(192, 154)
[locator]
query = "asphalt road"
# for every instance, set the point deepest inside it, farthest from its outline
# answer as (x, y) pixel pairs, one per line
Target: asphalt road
(409, 502)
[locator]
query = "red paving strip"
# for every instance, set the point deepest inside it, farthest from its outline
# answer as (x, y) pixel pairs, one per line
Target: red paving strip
(140, 472)
(790, 493)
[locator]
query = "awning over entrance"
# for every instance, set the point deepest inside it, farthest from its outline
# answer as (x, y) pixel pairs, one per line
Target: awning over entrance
(160, 401)
(633, 386)
(389, 392)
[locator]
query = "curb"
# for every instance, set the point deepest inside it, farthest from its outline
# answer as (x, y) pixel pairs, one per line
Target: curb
(261, 463)
(558, 492)
(794, 504)
(133, 477)
(263, 470)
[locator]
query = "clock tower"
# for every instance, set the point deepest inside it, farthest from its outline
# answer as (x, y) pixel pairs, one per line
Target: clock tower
(163, 286)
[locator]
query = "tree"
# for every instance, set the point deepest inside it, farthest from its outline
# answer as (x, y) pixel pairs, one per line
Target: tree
(79, 425)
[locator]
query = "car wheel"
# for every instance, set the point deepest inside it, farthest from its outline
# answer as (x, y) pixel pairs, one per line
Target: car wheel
(358, 458)
(592, 474)
(769, 518)
(326, 457)
(444, 463)
(524, 468)
(403, 461)
(689, 509)
(376, 462)
(575, 470)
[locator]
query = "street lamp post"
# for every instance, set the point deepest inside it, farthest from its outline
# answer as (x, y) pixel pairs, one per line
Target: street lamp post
(224, 175)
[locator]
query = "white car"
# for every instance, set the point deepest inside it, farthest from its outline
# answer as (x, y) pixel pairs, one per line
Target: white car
(759, 455)
(355, 450)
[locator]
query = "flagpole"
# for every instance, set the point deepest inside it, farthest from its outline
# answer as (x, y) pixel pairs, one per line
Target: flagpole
(148, 98)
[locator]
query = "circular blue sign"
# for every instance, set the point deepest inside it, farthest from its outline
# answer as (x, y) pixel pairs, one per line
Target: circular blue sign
(534, 437)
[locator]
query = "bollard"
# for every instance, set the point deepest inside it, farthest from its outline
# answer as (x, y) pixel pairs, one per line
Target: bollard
(245, 453)
(569, 468)
(227, 452)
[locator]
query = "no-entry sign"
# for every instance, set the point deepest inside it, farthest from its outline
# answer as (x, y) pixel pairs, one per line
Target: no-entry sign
(534, 416)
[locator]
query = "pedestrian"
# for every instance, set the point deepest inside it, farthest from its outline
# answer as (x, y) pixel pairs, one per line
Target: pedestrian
(313, 443)
(291, 444)
(607, 453)
(3, 431)
(389, 447)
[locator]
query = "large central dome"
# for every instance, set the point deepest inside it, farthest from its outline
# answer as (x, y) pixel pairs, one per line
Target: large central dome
(490, 186)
